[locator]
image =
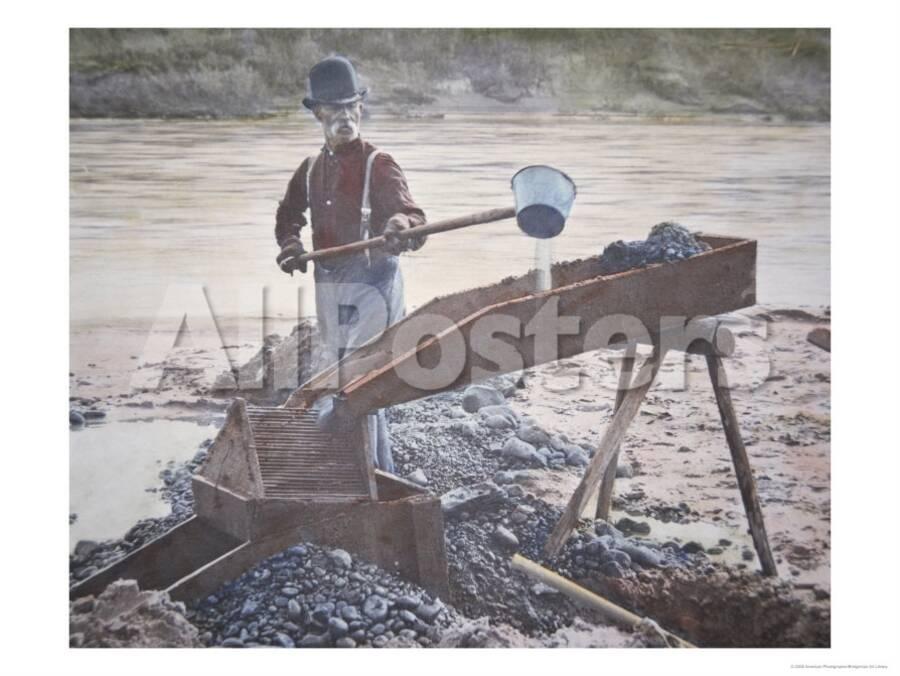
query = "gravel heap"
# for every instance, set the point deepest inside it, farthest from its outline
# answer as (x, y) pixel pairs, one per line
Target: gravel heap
(311, 597)
(668, 242)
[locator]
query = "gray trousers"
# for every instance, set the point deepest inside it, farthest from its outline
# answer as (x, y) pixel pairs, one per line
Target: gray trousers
(355, 302)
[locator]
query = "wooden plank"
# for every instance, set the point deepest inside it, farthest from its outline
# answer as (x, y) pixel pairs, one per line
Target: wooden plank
(820, 337)
(734, 279)
(707, 284)
(604, 497)
(162, 561)
(431, 554)
(232, 461)
(602, 456)
(742, 469)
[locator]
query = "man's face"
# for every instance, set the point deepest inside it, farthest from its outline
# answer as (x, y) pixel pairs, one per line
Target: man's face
(339, 122)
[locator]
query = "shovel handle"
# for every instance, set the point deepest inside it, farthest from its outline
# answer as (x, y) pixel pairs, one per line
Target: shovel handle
(429, 229)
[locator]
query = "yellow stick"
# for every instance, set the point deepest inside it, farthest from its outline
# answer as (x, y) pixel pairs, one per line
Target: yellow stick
(617, 614)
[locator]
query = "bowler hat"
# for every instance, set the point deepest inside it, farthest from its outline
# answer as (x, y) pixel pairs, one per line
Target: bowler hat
(333, 81)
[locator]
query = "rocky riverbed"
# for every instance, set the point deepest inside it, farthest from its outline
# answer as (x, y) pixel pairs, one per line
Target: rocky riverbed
(505, 457)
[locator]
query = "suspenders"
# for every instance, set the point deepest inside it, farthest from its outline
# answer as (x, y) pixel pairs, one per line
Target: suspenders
(365, 210)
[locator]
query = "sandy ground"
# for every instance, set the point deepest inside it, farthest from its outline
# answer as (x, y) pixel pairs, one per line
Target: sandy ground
(682, 484)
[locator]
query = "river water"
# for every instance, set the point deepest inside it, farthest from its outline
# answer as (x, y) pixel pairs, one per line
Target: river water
(156, 203)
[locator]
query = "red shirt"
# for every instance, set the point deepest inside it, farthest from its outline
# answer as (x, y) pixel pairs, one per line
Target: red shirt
(336, 185)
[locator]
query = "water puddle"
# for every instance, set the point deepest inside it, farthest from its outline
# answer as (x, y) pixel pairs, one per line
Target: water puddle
(707, 534)
(111, 466)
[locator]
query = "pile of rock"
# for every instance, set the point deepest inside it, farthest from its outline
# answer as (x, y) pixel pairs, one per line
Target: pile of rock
(668, 242)
(311, 597)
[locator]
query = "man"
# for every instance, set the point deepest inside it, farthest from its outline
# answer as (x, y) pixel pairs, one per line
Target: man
(353, 191)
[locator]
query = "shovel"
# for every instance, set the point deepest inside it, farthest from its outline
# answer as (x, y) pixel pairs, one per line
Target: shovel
(543, 198)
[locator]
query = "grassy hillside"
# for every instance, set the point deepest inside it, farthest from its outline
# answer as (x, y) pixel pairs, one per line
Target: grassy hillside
(249, 72)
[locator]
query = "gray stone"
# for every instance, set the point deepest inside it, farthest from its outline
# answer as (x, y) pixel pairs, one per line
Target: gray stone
(522, 514)
(350, 613)
(515, 491)
(629, 526)
(517, 449)
(624, 470)
(314, 641)
(642, 555)
(541, 589)
(498, 422)
(249, 608)
(467, 428)
(232, 642)
(501, 411)
(322, 613)
(377, 629)
(533, 435)
(418, 477)
(577, 458)
(408, 602)
(297, 550)
(337, 627)
(428, 613)
(596, 547)
(471, 498)
(477, 396)
(345, 642)
(692, 547)
(747, 554)
(505, 538)
(618, 556)
(83, 605)
(75, 418)
(84, 548)
(283, 640)
(340, 558)
(612, 569)
(290, 592)
(602, 528)
(375, 608)
(510, 476)
(558, 443)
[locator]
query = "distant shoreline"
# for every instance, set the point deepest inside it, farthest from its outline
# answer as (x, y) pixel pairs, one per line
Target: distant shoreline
(238, 73)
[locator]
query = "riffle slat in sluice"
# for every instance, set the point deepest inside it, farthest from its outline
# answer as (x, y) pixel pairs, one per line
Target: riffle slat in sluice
(298, 461)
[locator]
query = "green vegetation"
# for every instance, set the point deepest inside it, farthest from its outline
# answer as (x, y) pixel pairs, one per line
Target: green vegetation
(250, 72)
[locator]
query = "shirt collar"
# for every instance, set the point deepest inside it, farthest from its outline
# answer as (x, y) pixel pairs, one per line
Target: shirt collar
(345, 148)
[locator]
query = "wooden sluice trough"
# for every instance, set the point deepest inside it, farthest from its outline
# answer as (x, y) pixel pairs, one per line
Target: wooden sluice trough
(272, 478)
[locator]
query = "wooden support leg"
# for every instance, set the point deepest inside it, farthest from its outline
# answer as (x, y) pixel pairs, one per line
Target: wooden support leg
(604, 453)
(604, 500)
(741, 464)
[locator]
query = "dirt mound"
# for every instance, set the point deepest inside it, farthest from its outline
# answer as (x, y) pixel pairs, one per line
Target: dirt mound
(725, 609)
(123, 616)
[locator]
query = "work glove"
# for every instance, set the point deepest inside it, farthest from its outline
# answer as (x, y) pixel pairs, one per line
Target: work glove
(289, 258)
(396, 245)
